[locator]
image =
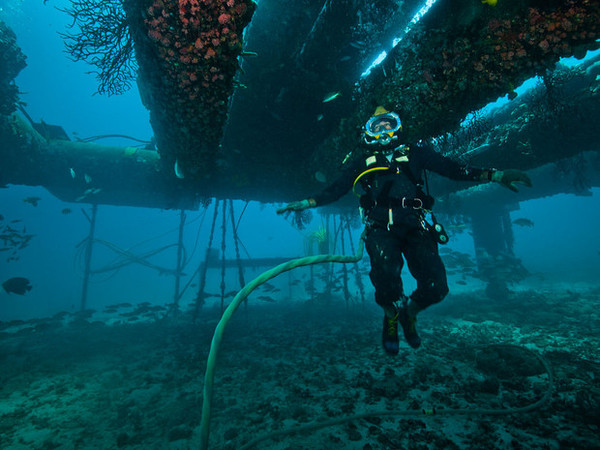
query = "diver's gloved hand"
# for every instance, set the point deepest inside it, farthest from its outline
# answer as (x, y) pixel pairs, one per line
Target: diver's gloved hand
(298, 206)
(508, 178)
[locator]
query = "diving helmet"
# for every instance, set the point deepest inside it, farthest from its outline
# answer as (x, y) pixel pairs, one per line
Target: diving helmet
(382, 127)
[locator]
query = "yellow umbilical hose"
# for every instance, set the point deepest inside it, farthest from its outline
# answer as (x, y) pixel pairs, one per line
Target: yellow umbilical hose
(237, 300)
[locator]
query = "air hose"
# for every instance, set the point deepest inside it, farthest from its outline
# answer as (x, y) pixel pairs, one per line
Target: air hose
(228, 313)
(436, 412)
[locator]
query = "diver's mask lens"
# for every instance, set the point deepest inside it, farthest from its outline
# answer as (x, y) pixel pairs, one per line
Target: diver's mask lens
(381, 129)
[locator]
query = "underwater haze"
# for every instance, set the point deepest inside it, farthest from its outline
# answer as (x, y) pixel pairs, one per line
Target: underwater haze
(119, 360)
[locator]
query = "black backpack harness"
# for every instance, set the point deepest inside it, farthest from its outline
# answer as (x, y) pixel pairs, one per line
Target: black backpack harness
(398, 163)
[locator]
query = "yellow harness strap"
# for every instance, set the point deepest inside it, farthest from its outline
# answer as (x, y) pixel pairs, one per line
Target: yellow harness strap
(372, 169)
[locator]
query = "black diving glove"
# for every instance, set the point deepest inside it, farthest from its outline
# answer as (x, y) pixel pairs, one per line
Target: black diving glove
(509, 177)
(298, 206)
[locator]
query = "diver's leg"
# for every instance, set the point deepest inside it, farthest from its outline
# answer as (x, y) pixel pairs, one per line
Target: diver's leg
(386, 267)
(426, 266)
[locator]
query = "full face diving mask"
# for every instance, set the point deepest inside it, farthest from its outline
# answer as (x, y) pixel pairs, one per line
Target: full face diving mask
(382, 129)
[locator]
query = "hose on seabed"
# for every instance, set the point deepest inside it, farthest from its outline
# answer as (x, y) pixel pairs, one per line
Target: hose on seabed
(238, 299)
(437, 412)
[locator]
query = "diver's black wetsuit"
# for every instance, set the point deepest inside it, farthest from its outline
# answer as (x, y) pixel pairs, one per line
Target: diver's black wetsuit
(391, 204)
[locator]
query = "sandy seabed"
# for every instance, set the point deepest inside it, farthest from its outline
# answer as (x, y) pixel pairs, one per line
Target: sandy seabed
(128, 380)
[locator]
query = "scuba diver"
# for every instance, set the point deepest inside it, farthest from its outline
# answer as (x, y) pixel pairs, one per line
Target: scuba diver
(393, 207)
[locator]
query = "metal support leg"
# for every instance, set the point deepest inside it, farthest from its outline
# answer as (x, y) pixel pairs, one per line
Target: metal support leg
(88, 255)
(179, 258)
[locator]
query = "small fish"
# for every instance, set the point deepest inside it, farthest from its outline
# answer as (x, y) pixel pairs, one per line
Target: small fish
(66, 211)
(87, 178)
(358, 44)
(250, 54)
(490, 2)
(73, 174)
(32, 200)
(91, 191)
(17, 285)
(269, 287)
(266, 298)
(178, 173)
(523, 222)
(331, 96)
(120, 305)
(320, 117)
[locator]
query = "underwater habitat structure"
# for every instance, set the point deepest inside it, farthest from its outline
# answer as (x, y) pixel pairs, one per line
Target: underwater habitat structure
(241, 113)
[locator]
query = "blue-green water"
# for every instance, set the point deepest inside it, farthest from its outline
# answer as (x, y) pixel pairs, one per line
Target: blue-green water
(129, 371)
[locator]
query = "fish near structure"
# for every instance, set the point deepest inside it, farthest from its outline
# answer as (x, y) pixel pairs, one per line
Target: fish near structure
(523, 222)
(331, 96)
(32, 200)
(17, 285)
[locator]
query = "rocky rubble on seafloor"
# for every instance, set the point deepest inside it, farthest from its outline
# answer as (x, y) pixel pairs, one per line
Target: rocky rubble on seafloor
(84, 383)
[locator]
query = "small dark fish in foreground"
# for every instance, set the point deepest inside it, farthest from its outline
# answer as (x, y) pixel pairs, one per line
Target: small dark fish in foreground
(269, 287)
(32, 200)
(119, 305)
(17, 285)
(66, 211)
(523, 222)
